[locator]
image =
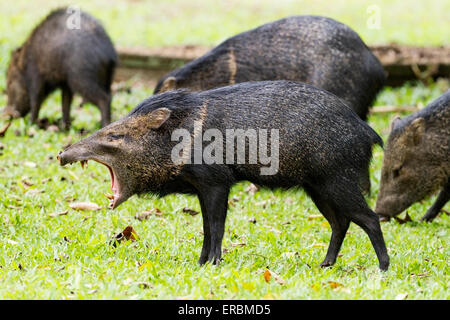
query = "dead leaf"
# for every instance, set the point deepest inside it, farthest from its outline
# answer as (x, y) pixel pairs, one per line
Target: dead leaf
(401, 296)
(144, 285)
(34, 191)
(261, 203)
(11, 242)
(4, 129)
(52, 128)
(82, 206)
(30, 164)
(146, 214)
(238, 244)
(421, 275)
(252, 220)
(269, 274)
(315, 216)
(233, 200)
(334, 285)
(127, 234)
(56, 214)
(252, 189)
(26, 183)
(190, 211)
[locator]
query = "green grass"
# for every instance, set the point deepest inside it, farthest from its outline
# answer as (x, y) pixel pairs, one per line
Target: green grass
(172, 22)
(36, 262)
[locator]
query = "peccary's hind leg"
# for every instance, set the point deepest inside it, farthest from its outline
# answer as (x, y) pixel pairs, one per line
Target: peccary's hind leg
(442, 199)
(349, 201)
(67, 96)
(105, 109)
(339, 226)
(95, 94)
(215, 204)
(36, 93)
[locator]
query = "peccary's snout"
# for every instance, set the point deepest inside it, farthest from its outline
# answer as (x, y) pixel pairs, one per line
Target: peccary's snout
(72, 154)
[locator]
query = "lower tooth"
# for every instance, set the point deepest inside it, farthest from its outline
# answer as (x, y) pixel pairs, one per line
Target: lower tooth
(109, 196)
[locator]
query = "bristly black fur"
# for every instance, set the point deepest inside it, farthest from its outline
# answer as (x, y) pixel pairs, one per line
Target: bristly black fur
(311, 49)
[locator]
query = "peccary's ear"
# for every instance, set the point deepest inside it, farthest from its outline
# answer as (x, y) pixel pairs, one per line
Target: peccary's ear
(169, 84)
(394, 122)
(159, 117)
(18, 57)
(416, 130)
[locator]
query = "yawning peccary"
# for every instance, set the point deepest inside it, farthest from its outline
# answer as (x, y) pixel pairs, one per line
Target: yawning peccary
(417, 160)
(77, 57)
(322, 146)
(315, 50)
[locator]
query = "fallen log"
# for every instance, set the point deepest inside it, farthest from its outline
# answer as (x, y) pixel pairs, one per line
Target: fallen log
(387, 109)
(402, 63)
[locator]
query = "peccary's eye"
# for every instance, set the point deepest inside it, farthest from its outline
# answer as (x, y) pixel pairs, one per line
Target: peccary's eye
(115, 136)
(396, 172)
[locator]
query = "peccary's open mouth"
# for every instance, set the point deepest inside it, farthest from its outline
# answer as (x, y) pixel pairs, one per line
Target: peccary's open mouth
(117, 197)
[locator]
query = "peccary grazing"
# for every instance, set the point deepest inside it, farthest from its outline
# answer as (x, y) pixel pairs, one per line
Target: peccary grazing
(417, 160)
(316, 50)
(78, 58)
(315, 142)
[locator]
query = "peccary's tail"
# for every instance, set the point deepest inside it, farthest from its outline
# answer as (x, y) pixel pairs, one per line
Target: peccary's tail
(376, 139)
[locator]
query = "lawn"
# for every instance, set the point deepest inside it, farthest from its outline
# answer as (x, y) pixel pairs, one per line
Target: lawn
(69, 256)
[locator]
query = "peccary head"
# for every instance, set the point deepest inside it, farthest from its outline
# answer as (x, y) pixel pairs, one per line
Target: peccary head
(133, 149)
(18, 99)
(409, 171)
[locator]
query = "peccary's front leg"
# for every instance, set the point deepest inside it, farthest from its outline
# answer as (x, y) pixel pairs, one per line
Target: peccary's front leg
(442, 199)
(214, 203)
(206, 233)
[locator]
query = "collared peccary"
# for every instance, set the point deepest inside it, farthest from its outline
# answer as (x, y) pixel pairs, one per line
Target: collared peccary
(76, 56)
(417, 160)
(315, 142)
(316, 50)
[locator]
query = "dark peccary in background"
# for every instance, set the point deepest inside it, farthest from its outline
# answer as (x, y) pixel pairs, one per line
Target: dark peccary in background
(417, 161)
(323, 147)
(55, 56)
(311, 49)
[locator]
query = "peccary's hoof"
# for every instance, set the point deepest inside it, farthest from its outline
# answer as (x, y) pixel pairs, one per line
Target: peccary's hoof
(426, 219)
(326, 264)
(384, 266)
